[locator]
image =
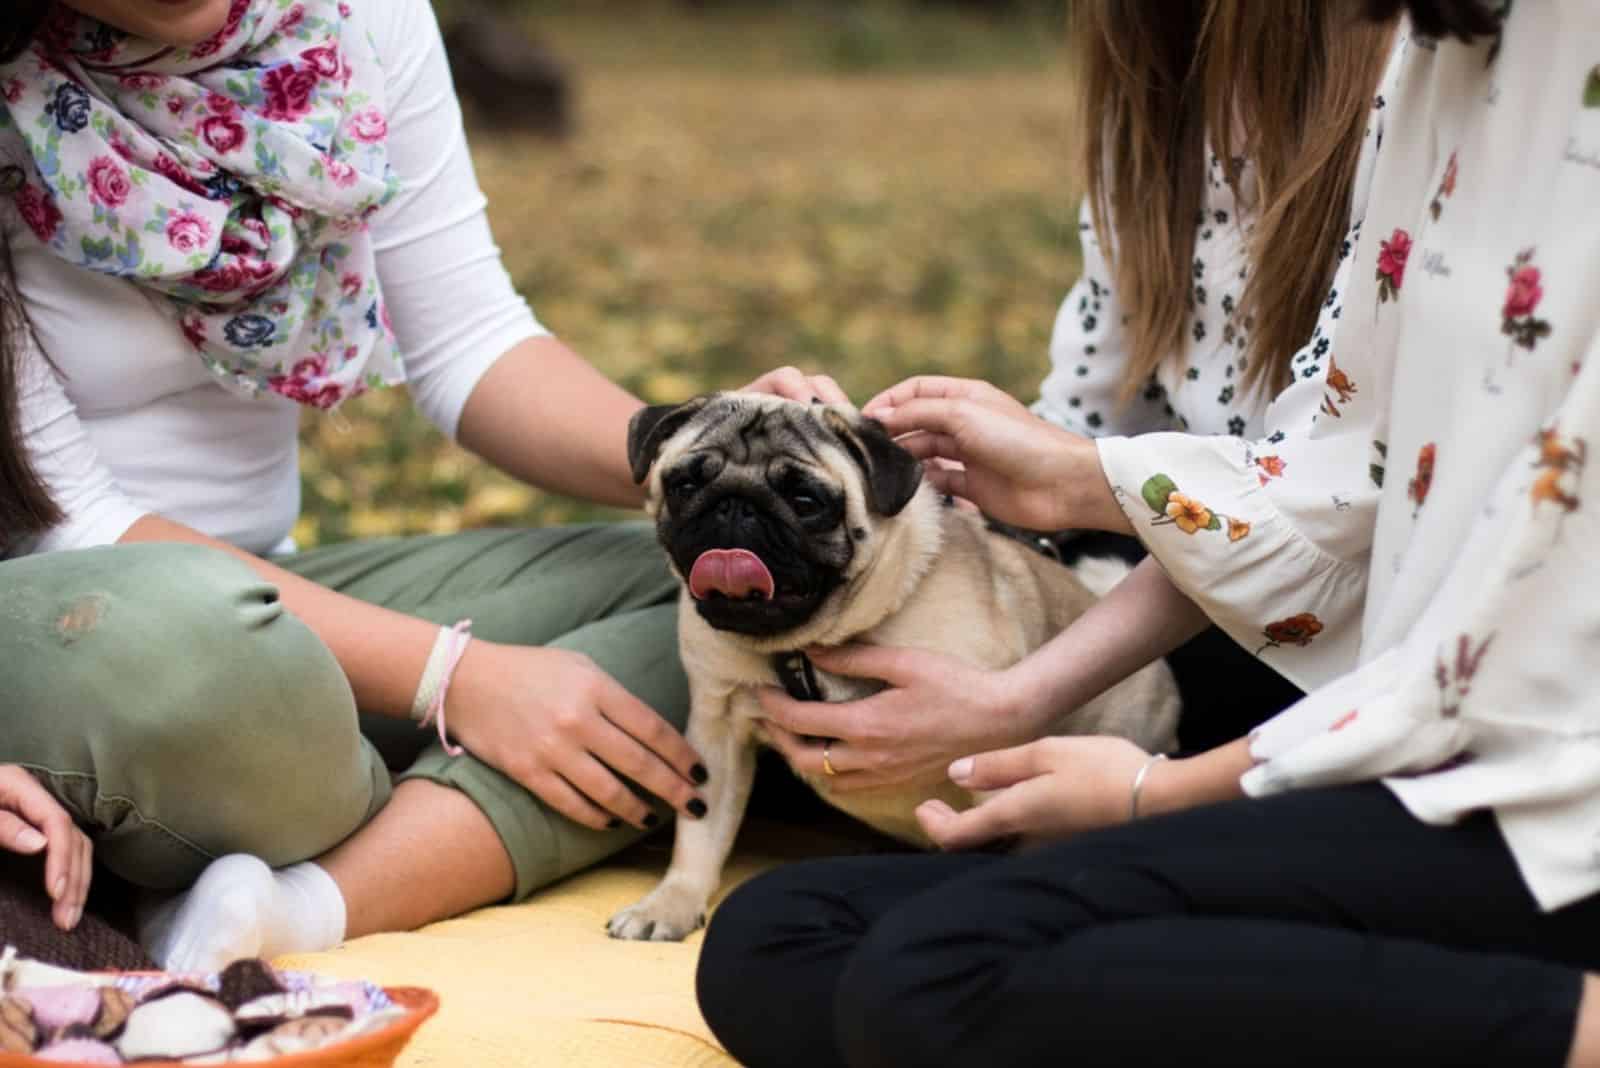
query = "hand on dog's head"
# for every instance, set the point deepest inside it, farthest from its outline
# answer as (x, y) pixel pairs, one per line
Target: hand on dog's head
(767, 506)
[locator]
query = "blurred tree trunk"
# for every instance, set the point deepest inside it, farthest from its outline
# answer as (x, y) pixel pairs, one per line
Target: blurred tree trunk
(504, 76)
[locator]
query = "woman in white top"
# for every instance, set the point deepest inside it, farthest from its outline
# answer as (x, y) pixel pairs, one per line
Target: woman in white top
(218, 213)
(1404, 867)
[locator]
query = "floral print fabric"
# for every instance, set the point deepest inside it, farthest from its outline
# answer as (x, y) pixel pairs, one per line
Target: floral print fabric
(1253, 506)
(1474, 685)
(233, 178)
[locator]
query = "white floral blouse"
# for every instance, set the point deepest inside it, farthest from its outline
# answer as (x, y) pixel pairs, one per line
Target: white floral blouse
(1221, 483)
(1473, 311)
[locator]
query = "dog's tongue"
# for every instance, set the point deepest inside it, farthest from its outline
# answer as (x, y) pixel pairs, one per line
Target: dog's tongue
(731, 572)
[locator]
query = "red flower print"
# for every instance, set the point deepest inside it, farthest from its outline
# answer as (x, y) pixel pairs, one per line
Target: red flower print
(1344, 721)
(1523, 294)
(350, 285)
(313, 366)
(1447, 188)
(141, 83)
(170, 169)
(1524, 291)
(344, 10)
(1296, 630)
(291, 21)
(194, 330)
(1392, 255)
(38, 209)
(187, 232)
(368, 126)
(12, 90)
(324, 59)
(257, 229)
(174, 104)
(108, 182)
(342, 173)
(223, 133)
(289, 90)
(214, 44)
(224, 278)
(1422, 481)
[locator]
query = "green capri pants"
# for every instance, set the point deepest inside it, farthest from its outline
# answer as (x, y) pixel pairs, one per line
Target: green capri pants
(164, 695)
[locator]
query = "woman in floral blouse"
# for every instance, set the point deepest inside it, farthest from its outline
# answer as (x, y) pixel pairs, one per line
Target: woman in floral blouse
(1403, 868)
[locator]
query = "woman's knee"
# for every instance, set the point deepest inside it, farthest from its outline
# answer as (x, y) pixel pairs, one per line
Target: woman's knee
(197, 705)
(215, 660)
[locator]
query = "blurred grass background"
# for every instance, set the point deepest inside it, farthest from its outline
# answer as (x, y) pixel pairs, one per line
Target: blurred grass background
(869, 189)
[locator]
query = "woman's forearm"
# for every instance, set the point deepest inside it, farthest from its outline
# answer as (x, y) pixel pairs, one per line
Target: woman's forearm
(1143, 618)
(543, 414)
(382, 652)
(1205, 779)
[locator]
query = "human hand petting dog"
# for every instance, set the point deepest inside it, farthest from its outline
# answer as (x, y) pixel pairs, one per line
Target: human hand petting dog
(30, 821)
(555, 722)
(791, 383)
(981, 444)
(936, 708)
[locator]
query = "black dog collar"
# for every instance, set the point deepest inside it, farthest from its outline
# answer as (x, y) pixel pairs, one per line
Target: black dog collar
(799, 678)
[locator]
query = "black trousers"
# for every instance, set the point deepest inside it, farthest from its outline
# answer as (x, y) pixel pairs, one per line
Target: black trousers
(1327, 927)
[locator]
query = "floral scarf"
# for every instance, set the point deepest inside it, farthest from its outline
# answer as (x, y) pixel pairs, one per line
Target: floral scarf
(233, 179)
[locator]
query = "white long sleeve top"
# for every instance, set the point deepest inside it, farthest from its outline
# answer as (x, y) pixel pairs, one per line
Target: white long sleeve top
(133, 423)
(1472, 311)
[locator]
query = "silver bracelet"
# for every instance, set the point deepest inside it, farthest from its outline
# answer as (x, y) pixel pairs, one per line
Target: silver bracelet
(1138, 785)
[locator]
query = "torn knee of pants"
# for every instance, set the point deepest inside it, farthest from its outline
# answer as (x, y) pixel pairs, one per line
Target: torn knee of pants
(81, 616)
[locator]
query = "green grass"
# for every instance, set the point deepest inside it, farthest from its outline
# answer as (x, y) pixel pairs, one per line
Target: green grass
(738, 196)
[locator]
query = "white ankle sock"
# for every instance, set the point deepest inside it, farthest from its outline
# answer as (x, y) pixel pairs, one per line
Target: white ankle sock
(242, 908)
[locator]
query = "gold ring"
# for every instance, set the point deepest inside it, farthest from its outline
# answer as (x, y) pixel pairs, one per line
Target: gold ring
(827, 765)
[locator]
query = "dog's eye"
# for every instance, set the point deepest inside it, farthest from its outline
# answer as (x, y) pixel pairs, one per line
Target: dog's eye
(805, 505)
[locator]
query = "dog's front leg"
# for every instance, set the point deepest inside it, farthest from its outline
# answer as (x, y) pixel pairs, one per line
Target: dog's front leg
(677, 905)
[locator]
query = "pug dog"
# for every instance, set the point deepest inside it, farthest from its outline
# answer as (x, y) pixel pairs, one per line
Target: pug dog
(794, 526)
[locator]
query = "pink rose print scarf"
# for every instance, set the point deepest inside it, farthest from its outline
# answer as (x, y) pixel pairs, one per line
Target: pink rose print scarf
(232, 179)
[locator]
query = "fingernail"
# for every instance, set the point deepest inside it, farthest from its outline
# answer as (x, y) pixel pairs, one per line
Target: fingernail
(30, 839)
(613, 823)
(651, 820)
(59, 887)
(77, 914)
(961, 770)
(699, 774)
(697, 808)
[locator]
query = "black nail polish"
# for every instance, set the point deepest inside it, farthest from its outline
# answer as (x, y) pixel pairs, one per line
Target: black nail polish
(699, 774)
(651, 820)
(697, 808)
(613, 823)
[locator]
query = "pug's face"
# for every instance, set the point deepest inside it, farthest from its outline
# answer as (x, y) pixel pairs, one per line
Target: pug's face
(767, 507)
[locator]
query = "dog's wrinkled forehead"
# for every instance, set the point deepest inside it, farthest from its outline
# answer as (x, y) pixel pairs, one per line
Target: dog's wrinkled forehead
(751, 431)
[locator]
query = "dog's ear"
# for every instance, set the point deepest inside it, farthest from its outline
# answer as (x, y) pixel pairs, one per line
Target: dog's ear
(650, 428)
(893, 474)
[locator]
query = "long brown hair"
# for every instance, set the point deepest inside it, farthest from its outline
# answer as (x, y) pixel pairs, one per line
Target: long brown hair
(1287, 86)
(26, 507)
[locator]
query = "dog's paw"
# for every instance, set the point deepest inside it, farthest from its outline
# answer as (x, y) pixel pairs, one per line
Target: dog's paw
(666, 914)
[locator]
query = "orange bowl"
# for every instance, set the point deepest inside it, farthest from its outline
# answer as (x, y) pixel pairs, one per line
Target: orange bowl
(376, 1049)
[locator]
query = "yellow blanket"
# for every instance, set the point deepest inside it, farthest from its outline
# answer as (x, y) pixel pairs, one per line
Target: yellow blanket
(540, 984)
